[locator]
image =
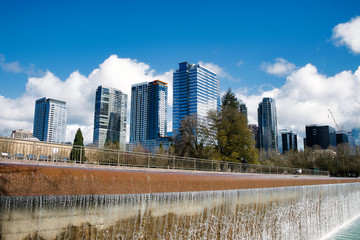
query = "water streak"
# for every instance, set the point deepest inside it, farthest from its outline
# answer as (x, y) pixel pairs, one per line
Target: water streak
(305, 212)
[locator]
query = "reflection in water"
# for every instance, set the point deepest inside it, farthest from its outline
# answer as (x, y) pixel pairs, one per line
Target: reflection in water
(305, 212)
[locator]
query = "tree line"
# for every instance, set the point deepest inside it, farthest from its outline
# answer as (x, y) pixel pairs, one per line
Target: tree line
(339, 161)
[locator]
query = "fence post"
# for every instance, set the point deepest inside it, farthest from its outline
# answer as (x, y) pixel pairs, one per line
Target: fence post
(148, 160)
(33, 152)
(80, 154)
(194, 164)
(118, 157)
(174, 162)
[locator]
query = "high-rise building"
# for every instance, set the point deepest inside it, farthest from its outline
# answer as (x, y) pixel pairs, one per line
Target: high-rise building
(254, 129)
(287, 140)
(267, 122)
(148, 114)
(50, 120)
(243, 108)
(356, 136)
(344, 137)
(196, 92)
(320, 135)
(110, 117)
(139, 112)
(158, 99)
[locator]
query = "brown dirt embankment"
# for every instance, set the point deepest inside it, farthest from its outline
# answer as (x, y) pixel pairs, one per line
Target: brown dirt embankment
(34, 180)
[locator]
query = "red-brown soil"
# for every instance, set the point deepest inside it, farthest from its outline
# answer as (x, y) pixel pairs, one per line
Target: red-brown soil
(34, 180)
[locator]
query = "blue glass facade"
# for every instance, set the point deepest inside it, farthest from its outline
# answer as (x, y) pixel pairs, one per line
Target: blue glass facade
(287, 140)
(50, 120)
(243, 108)
(196, 91)
(356, 136)
(148, 113)
(110, 116)
(267, 121)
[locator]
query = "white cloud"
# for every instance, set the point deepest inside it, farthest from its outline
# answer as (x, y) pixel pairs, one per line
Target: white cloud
(13, 67)
(348, 34)
(220, 72)
(239, 63)
(306, 97)
(87, 132)
(79, 93)
(281, 67)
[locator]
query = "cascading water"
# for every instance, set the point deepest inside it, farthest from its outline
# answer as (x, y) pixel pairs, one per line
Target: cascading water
(305, 212)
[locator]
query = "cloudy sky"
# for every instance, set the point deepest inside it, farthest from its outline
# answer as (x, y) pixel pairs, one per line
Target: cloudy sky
(305, 55)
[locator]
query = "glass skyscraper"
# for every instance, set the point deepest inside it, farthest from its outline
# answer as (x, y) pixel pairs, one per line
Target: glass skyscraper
(320, 135)
(243, 108)
(50, 120)
(110, 117)
(196, 91)
(148, 113)
(158, 99)
(356, 136)
(287, 140)
(267, 121)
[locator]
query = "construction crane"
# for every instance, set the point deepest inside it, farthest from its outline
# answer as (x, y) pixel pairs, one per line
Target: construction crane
(337, 126)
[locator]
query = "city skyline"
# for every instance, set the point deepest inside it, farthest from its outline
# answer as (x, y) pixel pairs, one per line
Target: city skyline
(307, 60)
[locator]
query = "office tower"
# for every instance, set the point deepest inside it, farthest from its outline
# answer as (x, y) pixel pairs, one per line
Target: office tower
(344, 137)
(287, 140)
(267, 121)
(148, 114)
(356, 136)
(157, 126)
(110, 117)
(243, 108)
(139, 112)
(320, 135)
(50, 120)
(196, 92)
(254, 129)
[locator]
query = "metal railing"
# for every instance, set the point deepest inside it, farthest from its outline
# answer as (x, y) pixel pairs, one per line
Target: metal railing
(50, 152)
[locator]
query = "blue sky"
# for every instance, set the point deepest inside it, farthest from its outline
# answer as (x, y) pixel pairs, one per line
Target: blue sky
(240, 39)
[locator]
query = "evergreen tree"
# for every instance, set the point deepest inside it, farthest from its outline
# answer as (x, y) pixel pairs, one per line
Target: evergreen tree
(234, 140)
(78, 148)
(161, 150)
(229, 100)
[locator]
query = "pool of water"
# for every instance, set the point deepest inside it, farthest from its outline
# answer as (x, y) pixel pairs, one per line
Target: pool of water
(349, 231)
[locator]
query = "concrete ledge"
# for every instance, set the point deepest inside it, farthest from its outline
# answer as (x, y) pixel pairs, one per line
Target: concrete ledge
(36, 180)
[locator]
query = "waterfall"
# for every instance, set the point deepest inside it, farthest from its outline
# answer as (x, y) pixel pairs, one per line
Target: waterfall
(301, 212)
